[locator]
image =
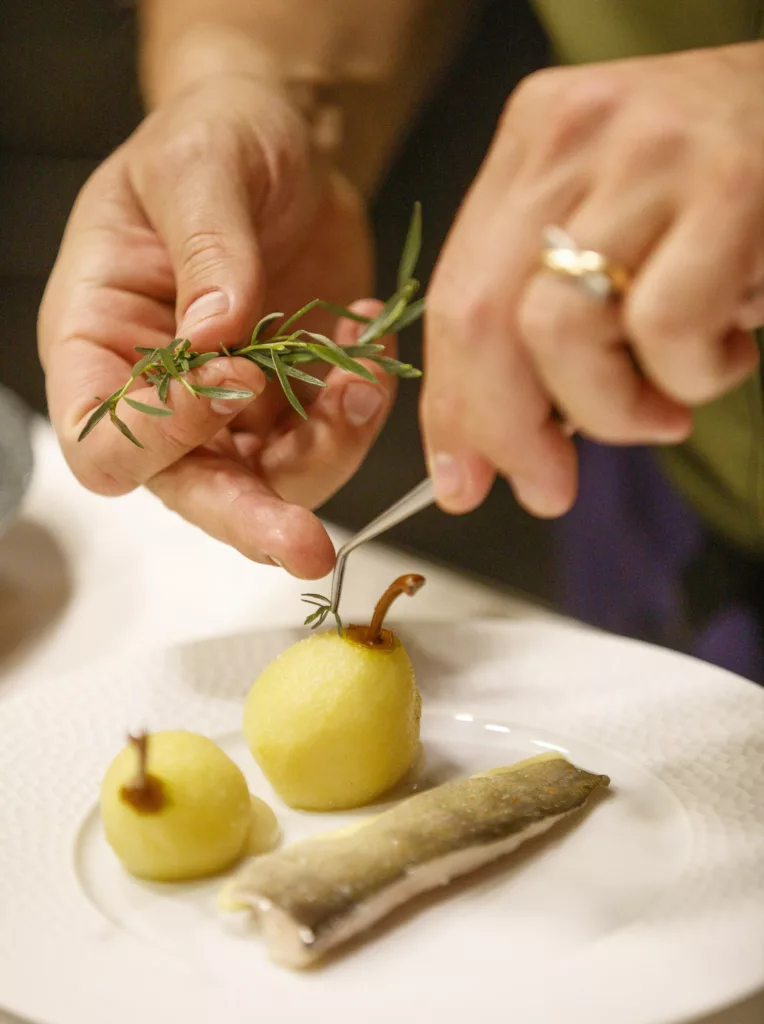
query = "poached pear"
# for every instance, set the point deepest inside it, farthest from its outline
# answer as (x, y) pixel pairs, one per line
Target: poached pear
(175, 807)
(333, 722)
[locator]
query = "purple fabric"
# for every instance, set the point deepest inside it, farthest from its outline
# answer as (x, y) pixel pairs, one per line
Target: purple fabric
(622, 554)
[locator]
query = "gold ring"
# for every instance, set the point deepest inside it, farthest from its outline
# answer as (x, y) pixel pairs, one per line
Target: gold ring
(589, 269)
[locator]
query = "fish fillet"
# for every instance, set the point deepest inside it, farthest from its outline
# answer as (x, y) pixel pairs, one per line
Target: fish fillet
(320, 892)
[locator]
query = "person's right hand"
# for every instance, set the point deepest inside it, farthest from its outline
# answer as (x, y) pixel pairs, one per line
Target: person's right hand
(214, 212)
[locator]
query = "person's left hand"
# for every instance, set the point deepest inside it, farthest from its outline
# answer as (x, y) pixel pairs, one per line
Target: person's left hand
(657, 163)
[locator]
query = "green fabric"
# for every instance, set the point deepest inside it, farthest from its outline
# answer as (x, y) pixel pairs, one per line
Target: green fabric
(721, 468)
(593, 30)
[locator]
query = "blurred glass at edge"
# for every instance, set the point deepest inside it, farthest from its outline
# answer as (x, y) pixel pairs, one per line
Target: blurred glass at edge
(15, 455)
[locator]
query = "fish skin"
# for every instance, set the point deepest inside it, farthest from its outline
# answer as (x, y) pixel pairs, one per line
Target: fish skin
(318, 885)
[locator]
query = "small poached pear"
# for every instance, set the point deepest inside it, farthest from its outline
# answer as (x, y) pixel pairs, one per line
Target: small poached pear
(334, 721)
(175, 807)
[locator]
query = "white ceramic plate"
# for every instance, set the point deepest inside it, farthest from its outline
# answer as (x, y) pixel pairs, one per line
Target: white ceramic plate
(649, 909)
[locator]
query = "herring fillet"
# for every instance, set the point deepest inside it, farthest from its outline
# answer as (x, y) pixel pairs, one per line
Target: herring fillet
(320, 892)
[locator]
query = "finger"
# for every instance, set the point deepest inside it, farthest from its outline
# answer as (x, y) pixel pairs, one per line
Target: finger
(750, 313)
(105, 461)
(313, 458)
(482, 396)
(576, 341)
(682, 306)
(230, 503)
(200, 201)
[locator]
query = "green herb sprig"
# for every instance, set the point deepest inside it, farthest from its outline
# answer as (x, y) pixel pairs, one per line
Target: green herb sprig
(280, 353)
(323, 607)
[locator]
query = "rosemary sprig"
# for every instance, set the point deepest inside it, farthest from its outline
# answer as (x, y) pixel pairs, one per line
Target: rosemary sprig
(323, 607)
(279, 353)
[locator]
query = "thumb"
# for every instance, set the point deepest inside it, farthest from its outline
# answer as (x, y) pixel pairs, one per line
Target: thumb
(203, 214)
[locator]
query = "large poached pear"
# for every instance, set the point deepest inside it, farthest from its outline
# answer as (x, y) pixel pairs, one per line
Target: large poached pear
(334, 721)
(175, 807)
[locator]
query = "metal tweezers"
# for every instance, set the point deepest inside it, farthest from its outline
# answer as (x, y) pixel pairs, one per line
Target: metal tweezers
(416, 500)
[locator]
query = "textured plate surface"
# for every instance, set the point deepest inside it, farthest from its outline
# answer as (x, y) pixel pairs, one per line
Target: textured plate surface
(646, 910)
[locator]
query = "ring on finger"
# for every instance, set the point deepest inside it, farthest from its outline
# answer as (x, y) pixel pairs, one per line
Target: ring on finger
(593, 272)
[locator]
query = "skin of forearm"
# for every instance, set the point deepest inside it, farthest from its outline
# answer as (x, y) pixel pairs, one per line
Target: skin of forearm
(358, 69)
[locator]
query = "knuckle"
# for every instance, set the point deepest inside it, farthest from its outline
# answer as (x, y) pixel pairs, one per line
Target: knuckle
(654, 138)
(180, 433)
(738, 173)
(589, 101)
(653, 323)
(197, 140)
(165, 156)
(462, 317)
(537, 88)
(439, 409)
(204, 250)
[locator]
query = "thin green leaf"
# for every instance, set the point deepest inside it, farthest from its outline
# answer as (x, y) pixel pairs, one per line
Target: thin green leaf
(411, 248)
(300, 314)
(319, 597)
(95, 417)
(340, 627)
(345, 313)
(264, 323)
(367, 351)
(184, 365)
(214, 392)
(173, 345)
(169, 363)
(322, 339)
(292, 398)
(295, 357)
(200, 360)
(306, 378)
(397, 369)
(313, 616)
(380, 325)
(410, 315)
(163, 388)
(266, 361)
(123, 427)
(142, 350)
(149, 410)
(337, 357)
(143, 364)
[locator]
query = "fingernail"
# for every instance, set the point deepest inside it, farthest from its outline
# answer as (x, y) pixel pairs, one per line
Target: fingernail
(361, 403)
(206, 306)
(228, 406)
(447, 474)
(538, 500)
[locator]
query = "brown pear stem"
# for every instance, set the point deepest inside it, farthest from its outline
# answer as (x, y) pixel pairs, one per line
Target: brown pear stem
(145, 793)
(408, 584)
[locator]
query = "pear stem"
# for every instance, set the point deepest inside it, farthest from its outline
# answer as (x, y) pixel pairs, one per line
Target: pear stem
(145, 793)
(408, 584)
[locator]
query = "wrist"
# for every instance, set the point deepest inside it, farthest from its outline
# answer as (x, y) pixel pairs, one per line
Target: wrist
(203, 54)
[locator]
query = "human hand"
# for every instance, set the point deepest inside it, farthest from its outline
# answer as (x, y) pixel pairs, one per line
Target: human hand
(212, 213)
(658, 163)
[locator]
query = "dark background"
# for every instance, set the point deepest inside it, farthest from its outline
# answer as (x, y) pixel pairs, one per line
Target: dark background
(69, 96)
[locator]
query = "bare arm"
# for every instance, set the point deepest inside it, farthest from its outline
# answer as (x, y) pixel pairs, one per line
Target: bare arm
(358, 68)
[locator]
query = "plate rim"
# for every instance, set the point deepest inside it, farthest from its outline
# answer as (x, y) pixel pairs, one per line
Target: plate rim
(501, 626)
